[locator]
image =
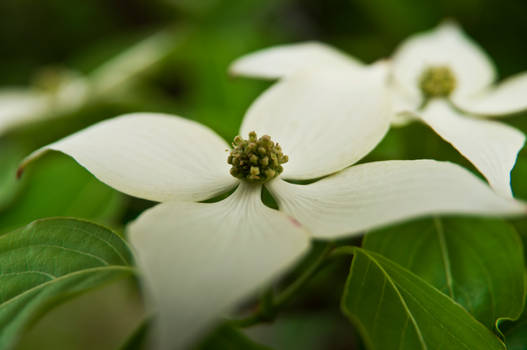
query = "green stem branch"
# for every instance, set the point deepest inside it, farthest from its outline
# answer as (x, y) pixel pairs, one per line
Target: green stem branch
(267, 312)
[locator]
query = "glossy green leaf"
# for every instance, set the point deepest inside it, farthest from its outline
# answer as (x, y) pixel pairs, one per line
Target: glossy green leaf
(395, 309)
(320, 328)
(49, 261)
(516, 334)
(477, 262)
(58, 186)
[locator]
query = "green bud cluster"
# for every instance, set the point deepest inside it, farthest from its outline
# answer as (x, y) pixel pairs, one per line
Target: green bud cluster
(437, 81)
(256, 160)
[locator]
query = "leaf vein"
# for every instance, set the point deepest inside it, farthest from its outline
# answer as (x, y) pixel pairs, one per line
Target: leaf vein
(63, 277)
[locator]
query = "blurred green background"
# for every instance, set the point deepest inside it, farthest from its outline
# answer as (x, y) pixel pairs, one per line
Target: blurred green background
(192, 81)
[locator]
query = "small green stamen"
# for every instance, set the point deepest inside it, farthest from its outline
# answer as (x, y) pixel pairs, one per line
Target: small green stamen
(256, 160)
(437, 81)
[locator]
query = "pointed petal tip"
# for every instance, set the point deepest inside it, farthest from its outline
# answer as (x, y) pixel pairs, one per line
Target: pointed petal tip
(381, 66)
(450, 23)
(172, 236)
(383, 62)
(29, 159)
(400, 190)
(492, 147)
(521, 204)
(122, 151)
(19, 172)
(233, 70)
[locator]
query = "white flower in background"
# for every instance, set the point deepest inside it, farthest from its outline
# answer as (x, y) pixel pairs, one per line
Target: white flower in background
(199, 260)
(55, 93)
(59, 92)
(440, 77)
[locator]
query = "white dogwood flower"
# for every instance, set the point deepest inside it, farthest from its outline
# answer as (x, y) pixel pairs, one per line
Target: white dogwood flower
(440, 77)
(59, 92)
(199, 260)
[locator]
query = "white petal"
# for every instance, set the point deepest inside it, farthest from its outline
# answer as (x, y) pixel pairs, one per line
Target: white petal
(72, 94)
(323, 121)
(280, 61)
(404, 104)
(152, 156)
(506, 98)
(130, 63)
(200, 260)
(21, 106)
(491, 146)
(404, 101)
(371, 195)
(446, 45)
(402, 119)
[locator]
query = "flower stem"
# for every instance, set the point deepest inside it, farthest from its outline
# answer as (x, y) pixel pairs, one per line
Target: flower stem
(344, 250)
(268, 310)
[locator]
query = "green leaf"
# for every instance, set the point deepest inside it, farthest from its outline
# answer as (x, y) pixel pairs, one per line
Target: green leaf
(516, 334)
(320, 328)
(138, 340)
(58, 186)
(395, 309)
(49, 261)
(477, 262)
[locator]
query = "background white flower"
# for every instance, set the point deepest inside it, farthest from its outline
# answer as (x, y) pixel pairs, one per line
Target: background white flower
(455, 113)
(63, 91)
(201, 259)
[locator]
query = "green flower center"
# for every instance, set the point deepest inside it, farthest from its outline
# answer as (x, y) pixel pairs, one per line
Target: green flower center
(256, 160)
(437, 81)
